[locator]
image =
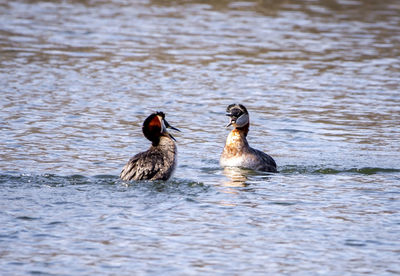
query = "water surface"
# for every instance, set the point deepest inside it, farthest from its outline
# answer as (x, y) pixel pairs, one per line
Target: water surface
(321, 82)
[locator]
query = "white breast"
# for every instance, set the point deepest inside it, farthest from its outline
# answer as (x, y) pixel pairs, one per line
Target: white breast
(236, 161)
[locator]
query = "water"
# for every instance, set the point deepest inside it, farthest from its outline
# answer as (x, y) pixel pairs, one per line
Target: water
(321, 82)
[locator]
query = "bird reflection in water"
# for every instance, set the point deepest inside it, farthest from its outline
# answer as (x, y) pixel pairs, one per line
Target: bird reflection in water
(237, 177)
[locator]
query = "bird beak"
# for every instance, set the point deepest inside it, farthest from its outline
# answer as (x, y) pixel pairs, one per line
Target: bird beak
(169, 126)
(174, 128)
(232, 121)
(173, 138)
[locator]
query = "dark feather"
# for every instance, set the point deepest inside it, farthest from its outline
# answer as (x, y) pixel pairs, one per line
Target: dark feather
(268, 163)
(148, 165)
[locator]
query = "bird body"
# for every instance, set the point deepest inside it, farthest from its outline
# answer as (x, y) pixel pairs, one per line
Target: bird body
(237, 152)
(159, 161)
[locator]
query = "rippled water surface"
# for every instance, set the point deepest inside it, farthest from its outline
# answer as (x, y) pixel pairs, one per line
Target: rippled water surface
(321, 82)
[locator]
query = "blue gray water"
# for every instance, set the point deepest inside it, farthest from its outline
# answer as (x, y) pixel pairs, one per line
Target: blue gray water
(321, 82)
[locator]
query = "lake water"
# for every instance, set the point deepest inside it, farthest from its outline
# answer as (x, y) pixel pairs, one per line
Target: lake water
(319, 78)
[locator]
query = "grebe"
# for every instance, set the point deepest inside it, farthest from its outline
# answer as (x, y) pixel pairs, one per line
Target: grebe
(237, 152)
(159, 161)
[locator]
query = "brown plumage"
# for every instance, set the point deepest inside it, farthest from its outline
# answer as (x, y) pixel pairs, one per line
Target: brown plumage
(237, 152)
(159, 161)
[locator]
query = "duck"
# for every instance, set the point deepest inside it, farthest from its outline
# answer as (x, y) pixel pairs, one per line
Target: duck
(159, 161)
(237, 151)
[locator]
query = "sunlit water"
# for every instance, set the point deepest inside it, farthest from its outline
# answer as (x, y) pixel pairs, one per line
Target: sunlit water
(321, 82)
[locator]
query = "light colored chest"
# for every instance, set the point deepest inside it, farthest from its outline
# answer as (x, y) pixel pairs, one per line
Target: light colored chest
(234, 154)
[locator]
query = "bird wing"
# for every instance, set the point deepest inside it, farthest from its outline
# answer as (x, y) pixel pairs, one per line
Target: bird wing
(268, 163)
(142, 166)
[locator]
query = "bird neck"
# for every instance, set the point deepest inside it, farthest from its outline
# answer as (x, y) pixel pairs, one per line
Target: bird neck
(164, 142)
(236, 139)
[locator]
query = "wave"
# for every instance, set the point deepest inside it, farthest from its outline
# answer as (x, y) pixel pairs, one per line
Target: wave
(321, 170)
(55, 180)
(18, 179)
(52, 180)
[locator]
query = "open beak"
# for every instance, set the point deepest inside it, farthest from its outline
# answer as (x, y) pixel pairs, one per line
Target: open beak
(167, 125)
(174, 128)
(232, 121)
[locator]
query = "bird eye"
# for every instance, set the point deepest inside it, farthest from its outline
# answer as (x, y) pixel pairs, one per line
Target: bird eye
(236, 112)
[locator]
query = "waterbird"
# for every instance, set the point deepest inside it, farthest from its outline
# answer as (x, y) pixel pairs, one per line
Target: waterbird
(159, 161)
(237, 152)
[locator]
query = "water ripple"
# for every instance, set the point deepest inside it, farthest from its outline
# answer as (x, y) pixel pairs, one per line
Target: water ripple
(320, 79)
